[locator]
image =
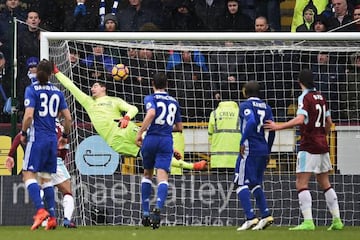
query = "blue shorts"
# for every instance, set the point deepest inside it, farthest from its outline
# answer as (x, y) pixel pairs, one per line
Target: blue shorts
(250, 170)
(41, 156)
(157, 152)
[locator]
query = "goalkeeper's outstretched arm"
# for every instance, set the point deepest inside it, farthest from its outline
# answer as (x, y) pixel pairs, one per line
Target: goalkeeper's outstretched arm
(80, 96)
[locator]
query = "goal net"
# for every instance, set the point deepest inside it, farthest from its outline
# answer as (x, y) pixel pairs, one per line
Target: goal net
(204, 69)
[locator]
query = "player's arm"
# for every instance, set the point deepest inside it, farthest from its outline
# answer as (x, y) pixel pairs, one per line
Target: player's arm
(178, 127)
(67, 126)
(149, 117)
(10, 158)
(27, 120)
(131, 111)
(272, 126)
(328, 124)
(249, 128)
(68, 84)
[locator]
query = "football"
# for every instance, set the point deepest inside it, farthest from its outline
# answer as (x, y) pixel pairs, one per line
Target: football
(120, 72)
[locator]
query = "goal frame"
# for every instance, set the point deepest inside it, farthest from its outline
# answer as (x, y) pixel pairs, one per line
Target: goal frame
(196, 36)
(45, 37)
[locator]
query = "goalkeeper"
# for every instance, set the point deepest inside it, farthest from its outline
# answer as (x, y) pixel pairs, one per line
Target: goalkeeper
(103, 110)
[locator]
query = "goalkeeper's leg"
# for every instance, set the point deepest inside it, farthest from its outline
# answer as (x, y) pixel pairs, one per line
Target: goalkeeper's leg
(198, 166)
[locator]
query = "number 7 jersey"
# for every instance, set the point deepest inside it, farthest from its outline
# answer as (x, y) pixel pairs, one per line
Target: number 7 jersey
(167, 113)
(253, 114)
(312, 104)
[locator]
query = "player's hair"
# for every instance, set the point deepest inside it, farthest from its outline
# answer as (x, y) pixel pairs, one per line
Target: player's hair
(44, 70)
(252, 89)
(160, 80)
(306, 78)
(102, 84)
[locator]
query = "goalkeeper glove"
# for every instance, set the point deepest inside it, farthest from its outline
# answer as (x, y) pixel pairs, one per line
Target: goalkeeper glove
(123, 123)
(55, 69)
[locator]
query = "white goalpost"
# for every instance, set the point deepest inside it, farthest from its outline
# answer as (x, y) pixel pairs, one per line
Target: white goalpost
(204, 68)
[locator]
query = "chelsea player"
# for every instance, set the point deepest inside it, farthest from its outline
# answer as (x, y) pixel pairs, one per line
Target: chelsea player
(162, 118)
(253, 158)
(43, 102)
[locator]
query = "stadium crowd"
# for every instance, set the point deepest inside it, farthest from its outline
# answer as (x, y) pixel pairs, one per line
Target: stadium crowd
(167, 15)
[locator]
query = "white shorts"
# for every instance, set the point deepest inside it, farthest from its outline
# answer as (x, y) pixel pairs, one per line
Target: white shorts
(61, 175)
(314, 163)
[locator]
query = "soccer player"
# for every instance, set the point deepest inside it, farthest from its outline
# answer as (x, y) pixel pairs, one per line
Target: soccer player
(162, 117)
(313, 117)
(253, 158)
(103, 110)
(61, 179)
(43, 103)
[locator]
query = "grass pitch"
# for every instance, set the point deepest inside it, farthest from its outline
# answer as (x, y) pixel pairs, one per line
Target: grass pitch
(173, 233)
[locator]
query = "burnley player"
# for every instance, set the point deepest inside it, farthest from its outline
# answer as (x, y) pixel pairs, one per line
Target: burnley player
(162, 118)
(314, 120)
(254, 155)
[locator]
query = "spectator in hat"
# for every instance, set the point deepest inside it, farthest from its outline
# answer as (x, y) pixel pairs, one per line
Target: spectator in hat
(298, 19)
(309, 14)
(30, 78)
(110, 23)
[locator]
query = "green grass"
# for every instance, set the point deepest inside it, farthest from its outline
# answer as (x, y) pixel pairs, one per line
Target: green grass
(174, 233)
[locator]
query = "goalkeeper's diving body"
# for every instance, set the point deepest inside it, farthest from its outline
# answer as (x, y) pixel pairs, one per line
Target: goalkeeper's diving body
(103, 110)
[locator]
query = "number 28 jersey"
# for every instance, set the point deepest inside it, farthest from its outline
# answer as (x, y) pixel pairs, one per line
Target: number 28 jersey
(167, 113)
(312, 104)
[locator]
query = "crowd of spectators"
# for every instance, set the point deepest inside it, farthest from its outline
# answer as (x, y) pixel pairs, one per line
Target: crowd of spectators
(163, 15)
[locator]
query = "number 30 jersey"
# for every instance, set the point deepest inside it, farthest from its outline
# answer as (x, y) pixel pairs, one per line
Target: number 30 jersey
(312, 104)
(47, 100)
(167, 113)
(253, 114)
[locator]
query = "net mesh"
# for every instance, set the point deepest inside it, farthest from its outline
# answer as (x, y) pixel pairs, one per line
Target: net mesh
(202, 73)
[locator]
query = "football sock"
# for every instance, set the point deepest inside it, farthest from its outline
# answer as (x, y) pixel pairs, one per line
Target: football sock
(68, 205)
(145, 195)
(305, 202)
(49, 197)
(34, 193)
(181, 164)
(261, 201)
(243, 193)
(162, 192)
(332, 202)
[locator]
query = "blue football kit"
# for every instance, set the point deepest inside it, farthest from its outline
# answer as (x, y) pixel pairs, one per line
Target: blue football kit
(157, 148)
(41, 149)
(250, 166)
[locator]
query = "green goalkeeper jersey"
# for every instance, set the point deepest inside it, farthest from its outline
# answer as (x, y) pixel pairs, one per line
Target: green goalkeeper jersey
(102, 112)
